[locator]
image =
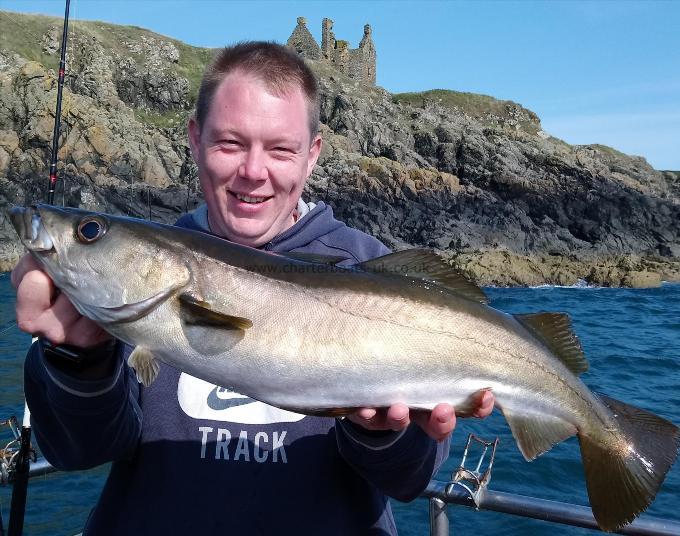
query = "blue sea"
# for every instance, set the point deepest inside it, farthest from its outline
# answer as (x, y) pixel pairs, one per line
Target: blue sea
(631, 339)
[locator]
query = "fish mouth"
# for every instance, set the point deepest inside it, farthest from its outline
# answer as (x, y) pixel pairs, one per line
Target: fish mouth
(29, 226)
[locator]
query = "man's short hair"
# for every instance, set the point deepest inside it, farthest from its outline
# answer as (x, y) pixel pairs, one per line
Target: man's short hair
(277, 66)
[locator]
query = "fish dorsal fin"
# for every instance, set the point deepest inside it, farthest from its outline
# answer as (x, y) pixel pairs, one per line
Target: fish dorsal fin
(330, 260)
(428, 266)
(555, 331)
(198, 312)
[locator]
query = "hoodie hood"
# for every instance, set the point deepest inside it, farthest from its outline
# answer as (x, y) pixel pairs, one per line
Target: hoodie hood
(317, 223)
(317, 231)
(316, 220)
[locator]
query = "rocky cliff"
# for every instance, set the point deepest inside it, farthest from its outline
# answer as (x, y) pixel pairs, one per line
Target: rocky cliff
(469, 175)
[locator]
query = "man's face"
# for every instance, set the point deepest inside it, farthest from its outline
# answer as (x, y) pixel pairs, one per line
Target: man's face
(254, 154)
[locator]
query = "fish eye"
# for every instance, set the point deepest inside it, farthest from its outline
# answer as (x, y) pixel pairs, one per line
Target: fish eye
(90, 229)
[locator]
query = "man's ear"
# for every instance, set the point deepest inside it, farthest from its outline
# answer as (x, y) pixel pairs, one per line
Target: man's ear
(194, 137)
(314, 152)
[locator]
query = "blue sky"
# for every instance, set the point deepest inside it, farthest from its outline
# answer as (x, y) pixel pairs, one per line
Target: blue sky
(594, 71)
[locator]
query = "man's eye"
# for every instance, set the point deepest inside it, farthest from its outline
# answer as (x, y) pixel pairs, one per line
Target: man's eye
(229, 143)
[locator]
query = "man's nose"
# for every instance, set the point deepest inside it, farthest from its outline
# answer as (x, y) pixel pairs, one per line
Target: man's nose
(253, 167)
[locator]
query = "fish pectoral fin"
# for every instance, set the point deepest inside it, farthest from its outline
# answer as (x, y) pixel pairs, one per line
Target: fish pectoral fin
(145, 365)
(208, 331)
(425, 265)
(198, 312)
(555, 331)
(537, 433)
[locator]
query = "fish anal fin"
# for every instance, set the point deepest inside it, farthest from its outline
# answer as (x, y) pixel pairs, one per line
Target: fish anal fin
(555, 331)
(425, 265)
(144, 364)
(468, 407)
(537, 433)
(196, 311)
(624, 475)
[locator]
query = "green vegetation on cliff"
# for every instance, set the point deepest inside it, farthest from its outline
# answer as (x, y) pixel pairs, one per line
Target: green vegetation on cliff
(23, 34)
(26, 36)
(488, 110)
(167, 119)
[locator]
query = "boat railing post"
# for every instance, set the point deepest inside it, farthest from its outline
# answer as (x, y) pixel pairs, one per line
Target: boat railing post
(439, 517)
(473, 482)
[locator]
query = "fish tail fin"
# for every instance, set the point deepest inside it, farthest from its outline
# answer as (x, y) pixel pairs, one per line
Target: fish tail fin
(623, 477)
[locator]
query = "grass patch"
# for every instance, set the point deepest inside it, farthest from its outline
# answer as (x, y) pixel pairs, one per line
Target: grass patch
(560, 143)
(610, 151)
(167, 119)
(473, 104)
(192, 63)
(23, 34)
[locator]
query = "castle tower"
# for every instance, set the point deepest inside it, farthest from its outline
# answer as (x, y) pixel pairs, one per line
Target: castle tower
(367, 49)
(356, 63)
(302, 41)
(327, 39)
(341, 57)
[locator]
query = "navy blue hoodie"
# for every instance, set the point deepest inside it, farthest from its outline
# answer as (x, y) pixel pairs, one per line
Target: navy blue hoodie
(194, 458)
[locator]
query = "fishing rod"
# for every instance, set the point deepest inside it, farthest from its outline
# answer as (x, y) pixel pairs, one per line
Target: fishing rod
(57, 117)
(20, 477)
(23, 459)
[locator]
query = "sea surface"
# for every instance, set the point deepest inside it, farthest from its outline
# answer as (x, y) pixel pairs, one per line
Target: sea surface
(631, 339)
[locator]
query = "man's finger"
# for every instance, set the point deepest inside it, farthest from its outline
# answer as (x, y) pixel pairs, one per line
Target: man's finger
(34, 297)
(26, 264)
(58, 322)
(85, 334)
(397, 417)
(441, 422)
(438, 423)
(364, 417)
(485, 404)
(367, 413)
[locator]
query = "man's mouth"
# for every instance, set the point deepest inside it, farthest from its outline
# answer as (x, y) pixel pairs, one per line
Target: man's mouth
(250, 199)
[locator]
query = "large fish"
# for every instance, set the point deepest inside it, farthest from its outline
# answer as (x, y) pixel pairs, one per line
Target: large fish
(298, 333)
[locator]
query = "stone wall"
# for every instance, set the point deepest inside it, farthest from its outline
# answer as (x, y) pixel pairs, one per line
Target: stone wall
(302, 41)
(357, 63)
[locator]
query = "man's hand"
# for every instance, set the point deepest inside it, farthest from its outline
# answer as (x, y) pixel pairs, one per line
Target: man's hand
(42, 311)
(438, 423)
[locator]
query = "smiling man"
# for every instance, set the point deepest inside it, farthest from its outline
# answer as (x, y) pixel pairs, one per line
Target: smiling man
(255, 148)
(192, 457)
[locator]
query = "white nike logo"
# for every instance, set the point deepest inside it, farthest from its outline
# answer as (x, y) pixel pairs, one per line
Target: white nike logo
(203, 400)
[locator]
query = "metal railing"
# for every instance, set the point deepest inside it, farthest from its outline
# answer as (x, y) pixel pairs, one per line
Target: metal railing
(469, 487)
(441, 494)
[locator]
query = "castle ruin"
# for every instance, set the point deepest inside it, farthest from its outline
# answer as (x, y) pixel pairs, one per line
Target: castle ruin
(357, 63)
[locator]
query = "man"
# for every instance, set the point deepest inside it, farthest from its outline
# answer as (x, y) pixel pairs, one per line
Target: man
(193, 457)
